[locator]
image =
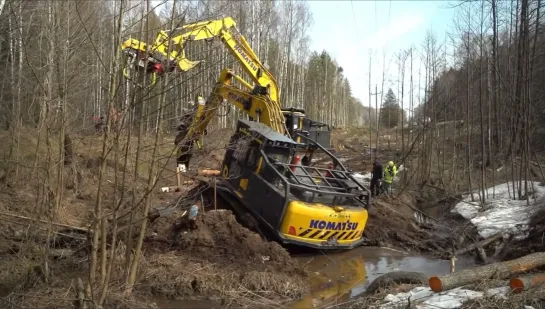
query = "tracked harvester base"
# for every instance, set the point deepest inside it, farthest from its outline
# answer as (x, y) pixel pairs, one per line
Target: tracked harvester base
(291, 203)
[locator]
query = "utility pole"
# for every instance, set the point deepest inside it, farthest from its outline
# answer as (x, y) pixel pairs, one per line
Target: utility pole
(376, 117)
(370, 123)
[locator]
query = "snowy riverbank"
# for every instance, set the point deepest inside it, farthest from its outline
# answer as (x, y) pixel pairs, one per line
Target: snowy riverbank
(502, 212)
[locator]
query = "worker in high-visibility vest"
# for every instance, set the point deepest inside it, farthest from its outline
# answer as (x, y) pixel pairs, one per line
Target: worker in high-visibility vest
(389, 173)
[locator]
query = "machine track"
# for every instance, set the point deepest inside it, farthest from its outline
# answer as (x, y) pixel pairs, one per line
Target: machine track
(225, 200)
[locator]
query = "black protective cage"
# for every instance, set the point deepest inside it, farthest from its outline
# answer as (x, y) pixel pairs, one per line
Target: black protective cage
(340, 185)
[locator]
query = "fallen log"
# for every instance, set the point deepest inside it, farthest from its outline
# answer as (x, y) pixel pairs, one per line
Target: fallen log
(479, 244)
(524, 283)
(500, 270)
(481, 254)
(43, 221)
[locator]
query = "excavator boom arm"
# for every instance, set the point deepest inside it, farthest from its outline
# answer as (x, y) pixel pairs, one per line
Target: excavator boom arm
(170, 45)
(258, 107)
(225, 30)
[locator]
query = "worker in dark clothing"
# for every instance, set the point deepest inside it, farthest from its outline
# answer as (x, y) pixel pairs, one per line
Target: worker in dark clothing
(376, 176)
(183, 142)
(99, 126)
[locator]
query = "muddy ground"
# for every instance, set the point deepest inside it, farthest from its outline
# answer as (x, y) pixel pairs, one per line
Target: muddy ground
(234, 260)
(220, 259)
(389, 227)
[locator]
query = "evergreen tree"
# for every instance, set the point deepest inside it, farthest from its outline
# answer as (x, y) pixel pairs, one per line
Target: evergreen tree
(390, 111)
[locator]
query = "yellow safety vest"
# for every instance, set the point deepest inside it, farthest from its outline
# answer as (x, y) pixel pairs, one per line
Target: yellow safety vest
(389, 173)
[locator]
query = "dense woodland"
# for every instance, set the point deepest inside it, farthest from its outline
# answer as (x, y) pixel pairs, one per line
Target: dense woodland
(496, 75)
(492, 82)
(63, 71)
(59, 54)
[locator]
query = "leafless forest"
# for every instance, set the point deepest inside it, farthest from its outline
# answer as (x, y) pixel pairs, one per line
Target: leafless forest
(475, 117)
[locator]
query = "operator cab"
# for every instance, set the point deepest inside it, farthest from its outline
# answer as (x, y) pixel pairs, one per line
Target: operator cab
(263, 169)
(262, 176)
(299, 124)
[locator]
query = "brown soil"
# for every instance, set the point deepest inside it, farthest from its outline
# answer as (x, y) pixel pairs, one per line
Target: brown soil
(219, 258)
(220, 230)
(391, 224)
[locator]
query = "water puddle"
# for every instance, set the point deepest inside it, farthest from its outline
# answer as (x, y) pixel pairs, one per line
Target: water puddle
(335, 278)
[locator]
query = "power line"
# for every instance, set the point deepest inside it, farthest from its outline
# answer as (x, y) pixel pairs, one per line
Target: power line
(354, 17)
(390, 12)
(375, 16)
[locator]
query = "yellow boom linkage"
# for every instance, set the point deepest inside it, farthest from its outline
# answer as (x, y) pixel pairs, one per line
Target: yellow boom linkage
(261, 103)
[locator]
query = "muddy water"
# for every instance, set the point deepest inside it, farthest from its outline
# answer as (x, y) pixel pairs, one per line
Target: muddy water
(335, 278)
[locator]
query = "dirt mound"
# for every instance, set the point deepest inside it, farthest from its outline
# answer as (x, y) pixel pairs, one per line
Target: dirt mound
(216, 258)
(390, 225)
(219, 230)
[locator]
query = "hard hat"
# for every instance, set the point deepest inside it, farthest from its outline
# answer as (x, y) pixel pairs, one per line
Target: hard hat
(391, 163)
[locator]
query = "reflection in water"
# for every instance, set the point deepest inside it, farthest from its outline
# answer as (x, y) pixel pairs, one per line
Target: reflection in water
(332, 281)
(338, 277)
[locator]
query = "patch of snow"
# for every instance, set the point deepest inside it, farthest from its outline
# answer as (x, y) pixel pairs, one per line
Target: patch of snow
(502, 213)
(402, 299)
(468, 210)
(425, 298)
(364, 179)
(359, 176)
(450, 299)
(367, 177)
(498, 292)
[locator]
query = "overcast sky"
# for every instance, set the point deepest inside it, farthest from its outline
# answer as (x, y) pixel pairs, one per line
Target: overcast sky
(349, 29)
